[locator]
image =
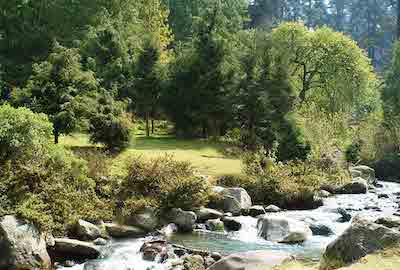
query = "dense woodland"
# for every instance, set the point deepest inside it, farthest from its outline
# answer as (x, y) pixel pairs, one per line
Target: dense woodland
(311, 83)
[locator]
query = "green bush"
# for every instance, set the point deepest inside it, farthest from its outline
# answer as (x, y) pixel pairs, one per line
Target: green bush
(290, 185)
(171, 183)
(353, 152)
(110, 130)
(44, 183)
(22, 130)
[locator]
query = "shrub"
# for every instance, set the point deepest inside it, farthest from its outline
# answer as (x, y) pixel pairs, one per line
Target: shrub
(171, 183)
(289, 185)
(110, 130)
(353, 152)
(44, 183)
(22, 130)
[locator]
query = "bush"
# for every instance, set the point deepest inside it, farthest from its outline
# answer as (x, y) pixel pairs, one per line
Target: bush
(44, 183)
(171, 183)
(110, 130)
(22, 130)
(290, 185)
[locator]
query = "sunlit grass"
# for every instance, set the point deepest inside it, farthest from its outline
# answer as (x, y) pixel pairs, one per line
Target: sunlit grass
(207, 157)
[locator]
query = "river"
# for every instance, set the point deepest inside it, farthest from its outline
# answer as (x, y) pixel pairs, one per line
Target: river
(124, 255)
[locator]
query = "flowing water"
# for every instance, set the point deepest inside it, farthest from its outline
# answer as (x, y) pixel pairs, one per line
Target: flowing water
(124, 255)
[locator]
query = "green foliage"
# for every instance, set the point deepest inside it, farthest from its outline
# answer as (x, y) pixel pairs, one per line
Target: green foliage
(108, 124)
(21, 130)
(43, 182)
(169, 182)
(328, 68)
(53, 87)
(290, 185)
(391, 98)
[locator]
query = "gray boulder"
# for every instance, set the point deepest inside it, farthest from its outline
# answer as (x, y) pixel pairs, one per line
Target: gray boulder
(320, 229)
(252, 260)
(22, 246)
(360, 239)
(358, 186)
(323, 194)
(272, 209)
(86, 231)
(184, 220)
(232, 224)
(364, 172)
(283, 229)
(241, 196)
(146, 219)
(69, 249)
(204, 214)
(345, 216)
(256, 210)
(155, 250)
(123, 231)
(234, 200)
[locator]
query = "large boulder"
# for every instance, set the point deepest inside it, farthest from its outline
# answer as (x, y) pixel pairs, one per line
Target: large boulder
(84, 230)
(360, 239)
(357, 186)
(232, 224)
(70, 249)
(204, 214)
(364, 172)
(145, 219)
(22, 246)
(252, 260)
(321, 229)
(233, 200)
(283, 229)
(185, 220)
(123, 231)
(241, 196)
(389, 221)
(155, 250)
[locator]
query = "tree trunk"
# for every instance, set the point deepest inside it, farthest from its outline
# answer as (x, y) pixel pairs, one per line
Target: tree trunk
(147, 124)
(204, 130)
(56, 135)
(152, 126)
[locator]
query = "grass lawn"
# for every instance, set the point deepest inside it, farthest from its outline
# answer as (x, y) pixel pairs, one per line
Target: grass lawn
(207, 157)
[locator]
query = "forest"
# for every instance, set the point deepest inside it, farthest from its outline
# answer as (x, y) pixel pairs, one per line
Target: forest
(283, 99)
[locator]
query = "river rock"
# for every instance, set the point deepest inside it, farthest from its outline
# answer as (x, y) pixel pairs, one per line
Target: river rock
(145, 219)
(204, 214)
(85, 231)
(321, 229)
(256, 210)
(345, 216)
(272, 209)
(215, 225)
(232, 224)
(360, 239)
(22, 246)
(194, 262)
(383, 196)
(216, 256)
(323, 194)
(358, 186)
(252, 260)
(241, 195)
(185, 220)
(208, 261)
(234, 200)
(157, 249)
(70, 249)
(283, 229)
(123, 231)
(100, 242)
(366, 173)
(389, 221)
